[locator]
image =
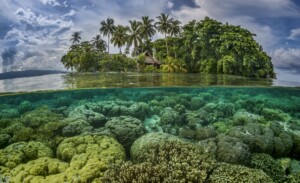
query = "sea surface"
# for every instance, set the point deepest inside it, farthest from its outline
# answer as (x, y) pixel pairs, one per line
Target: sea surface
(118, 127)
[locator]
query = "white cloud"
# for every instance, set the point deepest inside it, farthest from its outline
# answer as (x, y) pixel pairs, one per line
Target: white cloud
(29, 17)
(170, 4)
(70, 14)
(287, 59)
(41, 40)
(295, 34)
(50, 2)
(256, 8)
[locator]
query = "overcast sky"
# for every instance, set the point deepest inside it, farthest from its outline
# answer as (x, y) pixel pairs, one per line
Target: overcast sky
(36, 33)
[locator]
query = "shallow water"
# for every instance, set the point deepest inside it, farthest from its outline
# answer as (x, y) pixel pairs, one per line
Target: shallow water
(239, 124)
(121, 80)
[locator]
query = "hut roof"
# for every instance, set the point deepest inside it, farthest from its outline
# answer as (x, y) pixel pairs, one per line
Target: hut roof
(150, 60)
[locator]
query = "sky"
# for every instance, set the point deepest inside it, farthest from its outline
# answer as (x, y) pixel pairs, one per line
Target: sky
(34, 34)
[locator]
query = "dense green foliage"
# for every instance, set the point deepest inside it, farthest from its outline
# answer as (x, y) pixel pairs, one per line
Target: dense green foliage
(209, 46)
(205, 46)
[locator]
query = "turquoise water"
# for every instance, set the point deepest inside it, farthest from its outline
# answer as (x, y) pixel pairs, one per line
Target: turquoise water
(237, 131)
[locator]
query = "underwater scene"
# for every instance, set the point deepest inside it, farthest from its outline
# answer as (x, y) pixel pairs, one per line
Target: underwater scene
(163, 134)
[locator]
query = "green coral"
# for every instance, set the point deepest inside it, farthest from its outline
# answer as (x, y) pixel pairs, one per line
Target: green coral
(38, 171)
(125, 129)
(40, 124)
(147, 140)
(222, 126)
(270, 166)
(242, 117)
(205, 133)
(87, 159)
(89, 156)
(4, 140)
(227, 173)
(170, 116)
(274, 114)
(166, 161)
(22, 152)
(40, 116)
(7, 111)
(25, 106)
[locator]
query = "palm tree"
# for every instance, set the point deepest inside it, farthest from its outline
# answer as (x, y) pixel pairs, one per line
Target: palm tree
(98, 43)
(175, 28)
(134, 38)
(163, 25)
(108, 28)
(75, 38)
(119, 38)
(147, 27)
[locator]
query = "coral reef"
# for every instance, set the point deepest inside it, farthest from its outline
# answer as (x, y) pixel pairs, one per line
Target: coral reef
(263, 139)
(227, 173)
(39, 170)
(125, 129)
(242, 117)
(271, 167)
(4, 140)
(146, 140)
(75, 136)
(85, 159)
(22, 152)
(40, 116)
(232, 150)
(205, 133)
(170, 116)
(274, 114)
(167, 161)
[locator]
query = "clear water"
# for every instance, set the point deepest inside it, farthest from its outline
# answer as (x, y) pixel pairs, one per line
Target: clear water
(150, 128)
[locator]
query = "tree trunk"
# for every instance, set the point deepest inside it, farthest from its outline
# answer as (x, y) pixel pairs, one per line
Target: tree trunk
(108, 43)
(167, 45)
(137, 63)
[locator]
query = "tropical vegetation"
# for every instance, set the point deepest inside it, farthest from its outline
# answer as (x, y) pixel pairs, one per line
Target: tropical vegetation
(205, 46)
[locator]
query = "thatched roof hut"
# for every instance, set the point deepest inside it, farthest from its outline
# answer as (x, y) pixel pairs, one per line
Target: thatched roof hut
(150, 60)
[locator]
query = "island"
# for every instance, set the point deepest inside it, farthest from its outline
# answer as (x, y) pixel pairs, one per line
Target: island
(205, 46)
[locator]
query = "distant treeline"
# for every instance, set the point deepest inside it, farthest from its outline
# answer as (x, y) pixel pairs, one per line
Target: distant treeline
(27, 73)
(205, 46)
